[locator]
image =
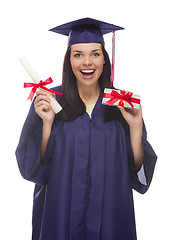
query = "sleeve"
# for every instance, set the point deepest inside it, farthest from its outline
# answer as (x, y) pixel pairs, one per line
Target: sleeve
(28, 150)
(141, 180)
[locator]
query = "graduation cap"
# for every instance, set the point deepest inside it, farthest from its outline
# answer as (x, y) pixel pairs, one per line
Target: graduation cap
(88, 30)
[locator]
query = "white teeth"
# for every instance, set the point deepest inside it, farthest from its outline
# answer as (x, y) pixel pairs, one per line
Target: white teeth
(87, 71)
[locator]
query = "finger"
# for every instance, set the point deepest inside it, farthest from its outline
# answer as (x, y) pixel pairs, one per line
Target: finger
(54, 95)
(42, 102)
(122, 110)
(51, 94)
(128, 110)
(41, 97)
(40, 92)
(42, 108)
(125, 112)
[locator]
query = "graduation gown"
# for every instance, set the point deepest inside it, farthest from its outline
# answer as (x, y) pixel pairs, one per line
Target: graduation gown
(83, 189)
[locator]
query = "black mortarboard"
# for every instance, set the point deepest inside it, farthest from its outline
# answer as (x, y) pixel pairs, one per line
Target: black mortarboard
(87, 30)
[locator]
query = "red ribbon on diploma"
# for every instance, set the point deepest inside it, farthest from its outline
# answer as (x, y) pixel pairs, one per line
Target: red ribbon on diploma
(123, 96)
(41, 84)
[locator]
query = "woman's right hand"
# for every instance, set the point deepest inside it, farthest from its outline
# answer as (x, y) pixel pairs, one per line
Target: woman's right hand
(43, 107)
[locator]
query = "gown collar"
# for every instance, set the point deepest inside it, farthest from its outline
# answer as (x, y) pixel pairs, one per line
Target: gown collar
(98, 109)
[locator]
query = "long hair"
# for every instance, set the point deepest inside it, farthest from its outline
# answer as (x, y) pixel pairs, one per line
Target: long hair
(72, 104)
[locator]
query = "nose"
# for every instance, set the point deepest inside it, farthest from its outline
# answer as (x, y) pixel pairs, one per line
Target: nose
(87, 61)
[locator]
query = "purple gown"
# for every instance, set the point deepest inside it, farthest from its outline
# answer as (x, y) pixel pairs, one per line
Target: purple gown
(84, 188)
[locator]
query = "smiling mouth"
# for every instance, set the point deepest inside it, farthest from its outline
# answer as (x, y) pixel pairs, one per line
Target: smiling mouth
(87, 73)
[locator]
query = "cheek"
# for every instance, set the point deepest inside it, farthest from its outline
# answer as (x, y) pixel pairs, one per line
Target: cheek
(100, 62)
(74, 65)
(100, 65)
(100, 69)
(75, 70)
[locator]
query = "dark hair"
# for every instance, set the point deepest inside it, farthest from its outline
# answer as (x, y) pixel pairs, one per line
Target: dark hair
(72, 104)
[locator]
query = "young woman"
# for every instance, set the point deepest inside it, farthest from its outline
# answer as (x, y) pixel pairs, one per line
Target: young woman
(85, 160)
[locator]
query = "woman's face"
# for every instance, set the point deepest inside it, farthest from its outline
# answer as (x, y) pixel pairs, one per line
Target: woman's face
(87, 62)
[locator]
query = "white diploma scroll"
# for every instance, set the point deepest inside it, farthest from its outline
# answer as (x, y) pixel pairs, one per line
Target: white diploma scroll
(35, 77)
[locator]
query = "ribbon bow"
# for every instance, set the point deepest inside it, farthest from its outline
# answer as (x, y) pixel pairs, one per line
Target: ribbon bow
(123, 96)
(41, 84)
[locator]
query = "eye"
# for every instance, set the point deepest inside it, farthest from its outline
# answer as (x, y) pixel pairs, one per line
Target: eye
(77, 55)
(96, 54)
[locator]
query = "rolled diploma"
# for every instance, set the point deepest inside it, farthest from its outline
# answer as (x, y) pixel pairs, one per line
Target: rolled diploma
(35, 77)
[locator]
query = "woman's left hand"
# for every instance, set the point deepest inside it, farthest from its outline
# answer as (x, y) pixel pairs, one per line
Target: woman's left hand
(133, 117)
(134, 120)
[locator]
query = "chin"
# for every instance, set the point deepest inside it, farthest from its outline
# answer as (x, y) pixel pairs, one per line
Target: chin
(87, 83)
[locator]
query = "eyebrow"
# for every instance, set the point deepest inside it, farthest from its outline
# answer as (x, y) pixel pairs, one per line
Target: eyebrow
(77, 51)
(96, 50)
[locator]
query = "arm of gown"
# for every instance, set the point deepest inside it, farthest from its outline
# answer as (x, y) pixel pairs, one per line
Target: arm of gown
(141, 180)
(28, 150)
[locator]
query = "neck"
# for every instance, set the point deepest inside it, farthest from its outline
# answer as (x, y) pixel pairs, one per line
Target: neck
(89, 95)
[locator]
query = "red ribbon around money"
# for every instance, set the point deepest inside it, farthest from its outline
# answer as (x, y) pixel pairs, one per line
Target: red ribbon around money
(123, 96)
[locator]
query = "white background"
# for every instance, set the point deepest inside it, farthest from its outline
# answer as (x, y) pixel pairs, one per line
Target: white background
(143, 65)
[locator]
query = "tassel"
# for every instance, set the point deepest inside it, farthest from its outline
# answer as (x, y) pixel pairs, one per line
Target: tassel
(113, 58)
